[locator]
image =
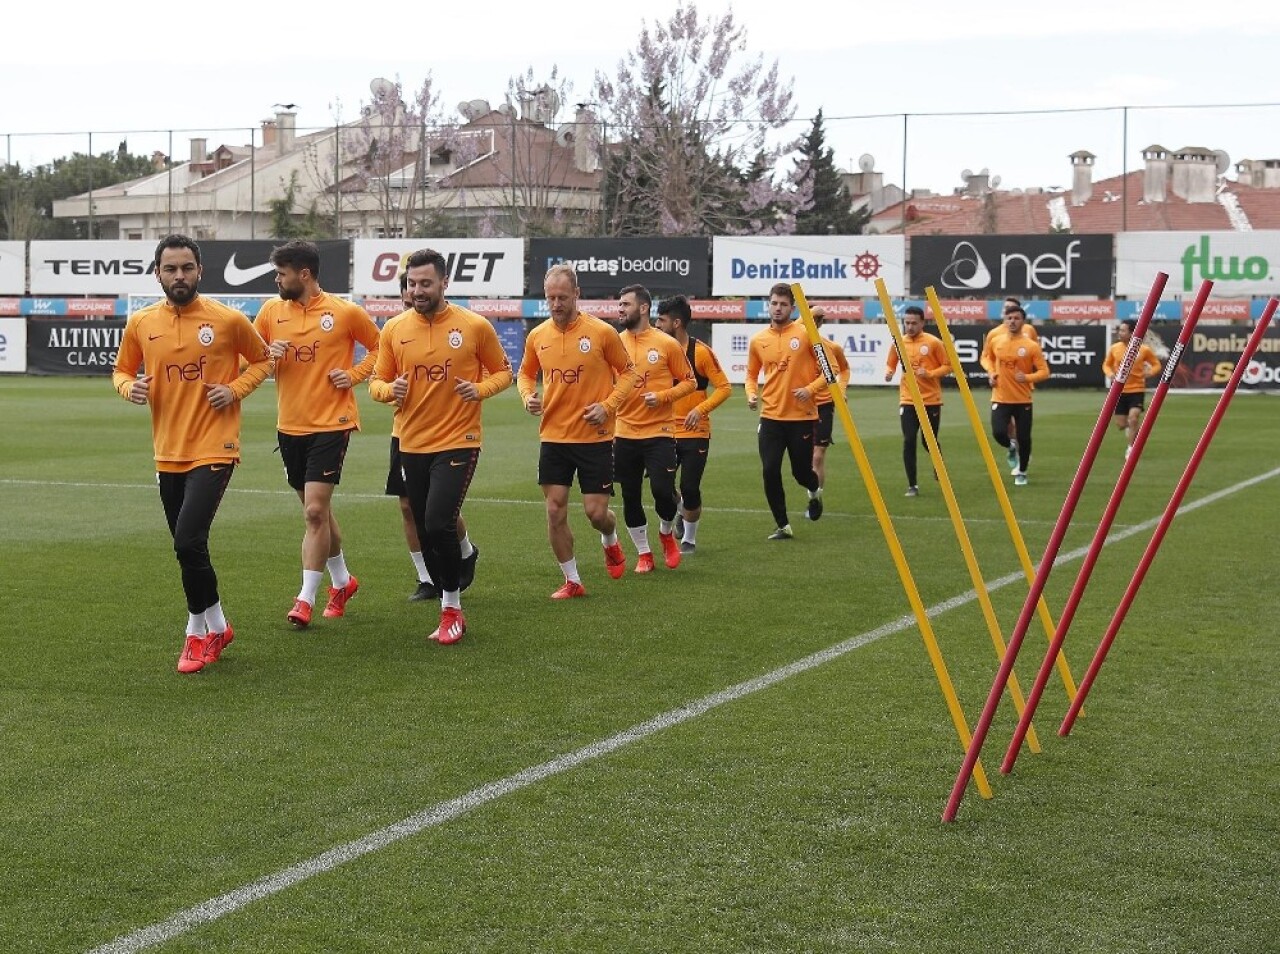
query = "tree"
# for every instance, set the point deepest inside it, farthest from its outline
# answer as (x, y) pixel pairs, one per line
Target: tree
(285, 225)
(831, 211)
(695, 124)
(26, 200)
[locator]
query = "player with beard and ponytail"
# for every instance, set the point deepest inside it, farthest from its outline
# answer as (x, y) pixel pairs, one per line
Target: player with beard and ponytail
(190, 349)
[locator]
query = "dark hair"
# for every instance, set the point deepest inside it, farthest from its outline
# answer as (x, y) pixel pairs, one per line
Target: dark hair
(298, 255)
(1018, 309)
(783, 290)
(641, 293)
(177, 241)
(1127, 322)
(677, 306)
(404, 281)
(426, 256)
(914, 310)
(1013, 301)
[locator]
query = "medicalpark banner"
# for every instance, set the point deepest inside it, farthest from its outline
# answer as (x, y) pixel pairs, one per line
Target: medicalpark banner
(841, 266)
(478, 268)
(665, 266)
(1240, 264)
(1025, 266)
(13, 268)
(1074, 353)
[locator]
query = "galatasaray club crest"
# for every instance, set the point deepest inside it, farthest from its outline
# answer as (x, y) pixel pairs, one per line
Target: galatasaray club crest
(653, 356)
(455, 338)
(326, 321)
(204, 334)
(795, 344)
(584, 344)
(1022, 352)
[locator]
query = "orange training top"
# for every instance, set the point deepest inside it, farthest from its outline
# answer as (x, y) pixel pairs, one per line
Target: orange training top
(925, 352)
(322, 337)
(434, 354)
(183, 349)
(584, 364)
(661, 367)
(1145, 364)
(1006, 354)
(706, 369)
(786, 358)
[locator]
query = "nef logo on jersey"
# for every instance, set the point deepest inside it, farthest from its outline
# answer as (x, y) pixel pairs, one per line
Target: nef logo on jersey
(455, 338)
(326, 322)
(653, 356)
(205, 334)
(432, 372)
(193, 371)
(584, 344)
(567, 376)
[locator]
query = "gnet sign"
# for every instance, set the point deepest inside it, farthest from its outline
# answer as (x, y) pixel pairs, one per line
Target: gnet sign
(478, 268)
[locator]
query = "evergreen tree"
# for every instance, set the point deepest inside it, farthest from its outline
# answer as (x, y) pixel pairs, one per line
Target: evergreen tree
(830, 213)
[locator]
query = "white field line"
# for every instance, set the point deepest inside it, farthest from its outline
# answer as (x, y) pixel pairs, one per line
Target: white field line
(232, 901)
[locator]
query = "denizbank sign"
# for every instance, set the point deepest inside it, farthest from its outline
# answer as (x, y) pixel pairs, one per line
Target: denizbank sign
(1239, 264)
(842, 266)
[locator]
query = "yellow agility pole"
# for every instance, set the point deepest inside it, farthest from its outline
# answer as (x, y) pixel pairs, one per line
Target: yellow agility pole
(891, 538)
(953, 507)
(993, 470)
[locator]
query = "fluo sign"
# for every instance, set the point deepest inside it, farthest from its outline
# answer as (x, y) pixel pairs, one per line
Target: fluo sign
(1238, 263)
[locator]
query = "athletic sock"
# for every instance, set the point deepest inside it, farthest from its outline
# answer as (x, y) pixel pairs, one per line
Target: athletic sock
(214, 618)
(338, 572)
(640, 537)
(196, 624)
(420, 564)
(570, 569)
(311, 580)
(450, 599)
(666, 526)
(609, 539)
(466, 546)
(690, 531)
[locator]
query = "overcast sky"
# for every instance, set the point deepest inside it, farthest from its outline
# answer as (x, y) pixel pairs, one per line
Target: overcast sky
(217, 70)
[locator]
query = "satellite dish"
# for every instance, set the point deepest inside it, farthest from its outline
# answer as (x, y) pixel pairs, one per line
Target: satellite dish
(473, 109)
(1222, 161)
(965, 175)
(382, 88)
(867, 162)
(995, 182)
(984, 171)
(565, 135)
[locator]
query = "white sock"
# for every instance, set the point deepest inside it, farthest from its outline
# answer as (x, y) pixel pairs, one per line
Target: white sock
(214, 618)
(311, 580)
(338, 571)
(466, 546)
(815, 493)
(420, 565)
(570, 569)
(195, 624)
(610, 539)
(665, 527)
(640, 537)
(690, 531)
(450, 599)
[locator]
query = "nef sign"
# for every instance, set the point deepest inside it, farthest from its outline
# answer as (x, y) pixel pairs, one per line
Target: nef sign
(1021, 265)
(477, 267)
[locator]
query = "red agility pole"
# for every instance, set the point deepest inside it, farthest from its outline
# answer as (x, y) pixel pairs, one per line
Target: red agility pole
(1104, 526)
(1051, 551)
(1170, 512)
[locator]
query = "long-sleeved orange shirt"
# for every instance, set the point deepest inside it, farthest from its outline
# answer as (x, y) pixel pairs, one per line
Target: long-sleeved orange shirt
(837, 359)
(183, 349)
(661, 367)
(1145, 364)
(706, 370)
(1006, 354)
(786, 359)
(926, 353)
(584, 364)
(434, 354)
(322, 337)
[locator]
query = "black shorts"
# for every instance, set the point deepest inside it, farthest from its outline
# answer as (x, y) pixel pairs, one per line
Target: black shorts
(826, 423)
(593, 463)
(395, 472)
(691, 458)
(1129, 401)
(313, 458)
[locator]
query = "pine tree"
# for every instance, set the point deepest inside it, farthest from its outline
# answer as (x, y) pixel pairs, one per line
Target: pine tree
(830, 213)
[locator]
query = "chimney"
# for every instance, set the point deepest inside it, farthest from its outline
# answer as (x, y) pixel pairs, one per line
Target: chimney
(1195, 174)
(268, 132)
(198, 151)
(287, 124)
(976, 183)
(586, 140)
(1081, 176)
(1155, 181)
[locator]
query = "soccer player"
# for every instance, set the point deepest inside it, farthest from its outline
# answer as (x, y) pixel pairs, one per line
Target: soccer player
(190, 349)
(645, 435)
(792, 377)
(927, 360)
(430, 364)
(426, 589)
(1132, 399)
(586, 375)
(692, 413)
(825, 403)
(1013, 362)
(312, 336)
(1002, 327)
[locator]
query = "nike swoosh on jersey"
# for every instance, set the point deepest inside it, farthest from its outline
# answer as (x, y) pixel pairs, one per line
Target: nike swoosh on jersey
(235, 275)
(154, 337)
(410, 341)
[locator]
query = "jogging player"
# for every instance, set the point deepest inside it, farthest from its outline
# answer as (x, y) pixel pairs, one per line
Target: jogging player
(1132, 400)
(927, 361)
(190, 350)
(1014, 363)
